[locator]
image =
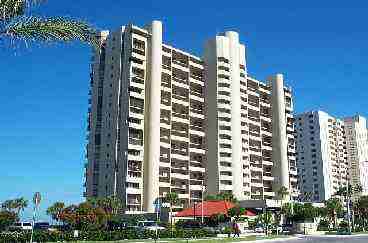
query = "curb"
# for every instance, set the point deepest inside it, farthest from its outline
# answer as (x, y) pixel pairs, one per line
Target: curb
(272, 240)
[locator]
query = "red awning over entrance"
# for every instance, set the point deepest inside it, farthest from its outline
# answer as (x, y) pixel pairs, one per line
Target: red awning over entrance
(210, 208)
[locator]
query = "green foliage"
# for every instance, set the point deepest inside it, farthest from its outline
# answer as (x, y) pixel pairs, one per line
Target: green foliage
(15, 205)
(361, 212)
(84, 216)
(236, 212)
(100, 235)
(323, 225)
(223, 196)
(282, 192)
(55, 210)
(334, 207)
(172, 198)
(15, 24)
(111, 205)
(264, 218)
(7, 219)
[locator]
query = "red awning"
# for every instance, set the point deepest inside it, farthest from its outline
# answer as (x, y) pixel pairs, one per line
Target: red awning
(210, 208)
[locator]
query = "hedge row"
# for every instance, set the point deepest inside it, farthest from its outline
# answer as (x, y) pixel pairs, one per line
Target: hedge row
(45, 236)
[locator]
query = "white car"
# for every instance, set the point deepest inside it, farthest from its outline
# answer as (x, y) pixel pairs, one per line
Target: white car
(22, 226)
(259, 229)
(149, 225)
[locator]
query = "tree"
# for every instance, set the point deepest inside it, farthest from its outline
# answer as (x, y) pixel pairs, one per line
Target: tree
(84, 216)
(308, 196)
(17, 24)
(20, 204)
(9, 205)
(111, 204)
(236, 212)
(361, 209)
(334, 207)
(282, 192)
(7, 218)
(222, 196)
(15, 205)
(172, 198)
(55, 210)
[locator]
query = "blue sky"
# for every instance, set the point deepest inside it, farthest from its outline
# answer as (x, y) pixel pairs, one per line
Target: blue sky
(320, 46)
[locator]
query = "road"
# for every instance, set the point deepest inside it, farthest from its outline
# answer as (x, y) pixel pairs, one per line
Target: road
(327, 239)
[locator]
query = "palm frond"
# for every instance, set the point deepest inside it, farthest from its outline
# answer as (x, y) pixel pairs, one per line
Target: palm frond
(50, 30)
(11, 8)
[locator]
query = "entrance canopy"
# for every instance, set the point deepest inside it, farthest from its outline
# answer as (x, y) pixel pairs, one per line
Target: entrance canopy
(210, 208)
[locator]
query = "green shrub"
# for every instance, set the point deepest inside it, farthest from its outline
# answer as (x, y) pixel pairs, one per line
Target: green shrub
(323, 225)
(101, 235)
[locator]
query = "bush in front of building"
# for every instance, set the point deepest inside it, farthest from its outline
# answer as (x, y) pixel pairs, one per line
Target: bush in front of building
(101, 235)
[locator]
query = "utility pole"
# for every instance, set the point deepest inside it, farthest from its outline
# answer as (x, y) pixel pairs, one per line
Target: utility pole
(348, 191)
(158, 211)
(202, 204)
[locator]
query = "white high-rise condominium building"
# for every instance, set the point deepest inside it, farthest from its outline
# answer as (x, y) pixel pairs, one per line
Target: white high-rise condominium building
(249, 132)
(147, 122)
(321, 154)
(357, 149)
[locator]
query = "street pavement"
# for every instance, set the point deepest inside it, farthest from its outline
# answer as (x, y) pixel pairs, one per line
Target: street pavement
(327, 239)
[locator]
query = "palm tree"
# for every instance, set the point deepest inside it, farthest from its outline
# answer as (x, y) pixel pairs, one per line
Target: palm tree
(236, 212)
(15, 205)
(282, 193)
(20, 204)
(308, 196)
(8, 205)
(228, 196)
(17, 24)
(361, 207)
(172, 198)
(55, 210)
(334, 207)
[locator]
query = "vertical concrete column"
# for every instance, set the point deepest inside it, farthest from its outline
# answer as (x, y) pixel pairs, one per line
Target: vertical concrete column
(152, 128)
(279, 138)
(237, 170)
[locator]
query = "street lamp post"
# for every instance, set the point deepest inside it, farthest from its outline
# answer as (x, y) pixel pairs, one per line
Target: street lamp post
(348, 205)
(202, 204)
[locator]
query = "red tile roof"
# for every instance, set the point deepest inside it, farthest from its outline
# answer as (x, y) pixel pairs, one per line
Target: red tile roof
(209, 208)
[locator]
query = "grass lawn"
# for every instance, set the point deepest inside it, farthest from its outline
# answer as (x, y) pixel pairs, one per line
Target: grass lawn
(208, 240)
(360, 233)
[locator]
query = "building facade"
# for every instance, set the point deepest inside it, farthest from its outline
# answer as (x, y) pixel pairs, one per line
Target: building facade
(321, 155)
(357, 150)
(250, 140)
(151, 106)
(146, 125)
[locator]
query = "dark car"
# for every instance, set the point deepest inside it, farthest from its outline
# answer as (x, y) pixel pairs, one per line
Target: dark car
(190, 225)
(41, 226)
(287, 229)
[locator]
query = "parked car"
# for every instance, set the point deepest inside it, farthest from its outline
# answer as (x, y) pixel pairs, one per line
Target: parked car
(259, 229)
(190, 224)
(149, 225)
(287, 229)
(21, 226)
(41, 226)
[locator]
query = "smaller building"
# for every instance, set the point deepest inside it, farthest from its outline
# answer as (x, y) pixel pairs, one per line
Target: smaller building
(321, 155)
(357, 150)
